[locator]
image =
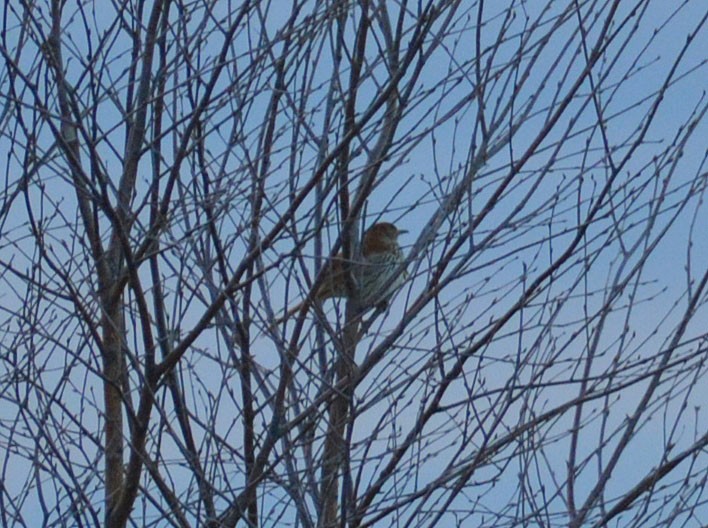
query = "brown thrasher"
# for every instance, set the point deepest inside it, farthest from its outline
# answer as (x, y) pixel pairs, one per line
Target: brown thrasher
(381, 258)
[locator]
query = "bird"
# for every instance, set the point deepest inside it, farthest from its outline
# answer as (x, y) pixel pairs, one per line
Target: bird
(374, 274)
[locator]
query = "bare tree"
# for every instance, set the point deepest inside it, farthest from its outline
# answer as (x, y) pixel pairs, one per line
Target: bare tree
(178, 174)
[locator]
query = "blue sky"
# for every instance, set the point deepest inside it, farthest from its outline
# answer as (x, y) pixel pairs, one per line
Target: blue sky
(592, 313)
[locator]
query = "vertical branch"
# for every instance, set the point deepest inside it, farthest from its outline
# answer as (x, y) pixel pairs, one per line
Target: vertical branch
(257, 196)
(112, 323)
(119, 500)
(335, 446)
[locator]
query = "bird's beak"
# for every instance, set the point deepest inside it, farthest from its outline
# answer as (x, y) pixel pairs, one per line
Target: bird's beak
(402, 231)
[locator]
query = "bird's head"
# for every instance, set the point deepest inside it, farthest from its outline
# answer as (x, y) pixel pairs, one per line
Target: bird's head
(382, 236)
